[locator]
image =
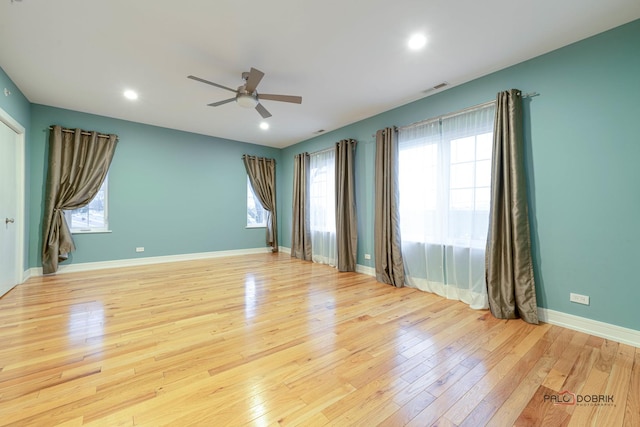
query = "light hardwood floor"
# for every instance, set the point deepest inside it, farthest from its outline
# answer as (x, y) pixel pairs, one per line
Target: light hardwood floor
(266, 340)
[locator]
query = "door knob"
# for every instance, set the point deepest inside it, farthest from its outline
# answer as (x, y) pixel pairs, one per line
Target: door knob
(9, 221)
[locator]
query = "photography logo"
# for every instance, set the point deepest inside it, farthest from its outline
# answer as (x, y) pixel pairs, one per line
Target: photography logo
(567, 398)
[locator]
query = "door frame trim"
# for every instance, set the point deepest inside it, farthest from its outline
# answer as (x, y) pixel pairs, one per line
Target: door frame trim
(20, 196)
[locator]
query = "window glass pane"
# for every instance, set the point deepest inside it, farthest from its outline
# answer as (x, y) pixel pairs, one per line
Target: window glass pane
(462, 175)
(460, 226)
(479, 233)
(483, 173)
(463, 149)
(461, 199)
(90, 216)
(483, 199)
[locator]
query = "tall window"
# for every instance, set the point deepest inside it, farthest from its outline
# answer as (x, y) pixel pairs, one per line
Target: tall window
(92, 218)
(322, 205)
(444, 179)
(256, 215)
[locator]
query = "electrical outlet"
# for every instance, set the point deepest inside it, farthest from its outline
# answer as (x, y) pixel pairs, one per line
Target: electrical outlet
(140, 249)
(367, 256)
(580, 299)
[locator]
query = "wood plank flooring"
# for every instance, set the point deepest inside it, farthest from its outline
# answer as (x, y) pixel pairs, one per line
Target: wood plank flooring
(266, 340)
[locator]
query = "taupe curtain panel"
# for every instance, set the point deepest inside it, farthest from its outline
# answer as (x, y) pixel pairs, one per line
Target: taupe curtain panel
(300, 230)
(78, 163)
(509, 268)
(387, 240)
(346, 223)
(262, 176)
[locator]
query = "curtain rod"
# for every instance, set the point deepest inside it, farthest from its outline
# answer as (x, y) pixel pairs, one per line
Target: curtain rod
(448, 115)
(456, 113)
(325, 150)
(257, 157)
(84, 132)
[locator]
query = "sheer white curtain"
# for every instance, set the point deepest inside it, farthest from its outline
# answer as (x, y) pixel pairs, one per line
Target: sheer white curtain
(444, 179)
(322, 205)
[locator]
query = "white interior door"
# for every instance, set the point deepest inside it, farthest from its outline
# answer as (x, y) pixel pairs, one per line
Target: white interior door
(9, 221)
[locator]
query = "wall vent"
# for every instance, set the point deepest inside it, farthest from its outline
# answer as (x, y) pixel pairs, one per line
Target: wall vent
(436, 87)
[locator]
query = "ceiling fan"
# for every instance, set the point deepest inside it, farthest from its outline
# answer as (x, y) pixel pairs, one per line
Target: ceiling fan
(246, 94)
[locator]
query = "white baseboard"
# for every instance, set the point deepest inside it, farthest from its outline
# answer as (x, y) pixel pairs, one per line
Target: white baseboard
(88, 266)
(591, 327)
(369, 271)
(26, 275)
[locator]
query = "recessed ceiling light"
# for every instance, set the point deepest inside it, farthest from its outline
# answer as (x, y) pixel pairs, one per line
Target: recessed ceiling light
(264, 125)
(129, 94)
(417, 41)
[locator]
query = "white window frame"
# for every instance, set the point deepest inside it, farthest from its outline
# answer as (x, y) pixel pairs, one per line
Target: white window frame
(254, 203)
(68, 214)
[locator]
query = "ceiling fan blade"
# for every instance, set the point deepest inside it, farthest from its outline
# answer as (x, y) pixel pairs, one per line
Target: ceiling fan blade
(282, 98)
(263, 111)
(217, 104)
(210, 83)
(253, 80)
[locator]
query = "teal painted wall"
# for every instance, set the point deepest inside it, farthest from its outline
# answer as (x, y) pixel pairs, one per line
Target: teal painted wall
(582, 139)
(171, 192)
(19, 108)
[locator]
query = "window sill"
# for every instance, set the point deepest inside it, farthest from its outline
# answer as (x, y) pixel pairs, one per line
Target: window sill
(90, 231)
(255, 226)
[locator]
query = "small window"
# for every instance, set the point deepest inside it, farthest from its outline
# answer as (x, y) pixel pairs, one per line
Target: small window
(256, 214)
(92, 218)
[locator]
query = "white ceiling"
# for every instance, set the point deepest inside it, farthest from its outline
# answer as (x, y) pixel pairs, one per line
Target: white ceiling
(347, 59)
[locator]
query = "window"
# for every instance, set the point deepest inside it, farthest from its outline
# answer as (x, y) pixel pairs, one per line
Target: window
(92, 218)
(444, 181)
(322, 206)
(322, 189)
(445, 178)
(256, 214)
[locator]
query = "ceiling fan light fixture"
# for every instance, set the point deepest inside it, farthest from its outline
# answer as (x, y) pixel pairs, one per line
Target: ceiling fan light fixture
(246, 100)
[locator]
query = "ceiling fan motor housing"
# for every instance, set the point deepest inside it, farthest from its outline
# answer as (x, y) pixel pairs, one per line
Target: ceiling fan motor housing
(246, 99)
(247, 95)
